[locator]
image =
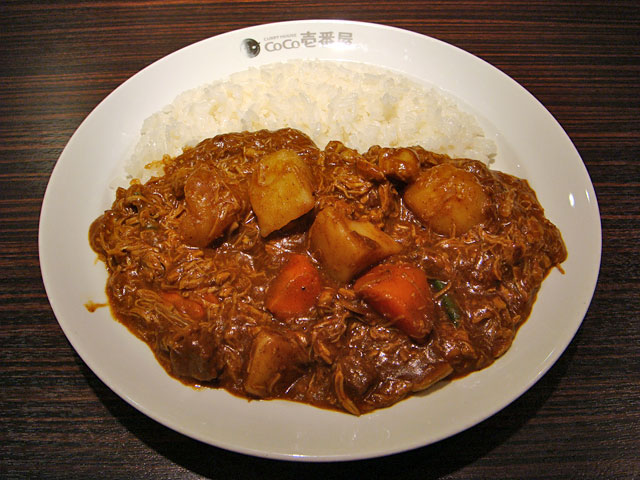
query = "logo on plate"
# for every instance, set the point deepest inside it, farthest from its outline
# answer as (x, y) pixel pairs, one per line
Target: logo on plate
(295, 40)
(251, 47)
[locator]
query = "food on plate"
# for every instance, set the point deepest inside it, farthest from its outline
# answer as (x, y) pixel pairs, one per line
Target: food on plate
(359, 105)
(262, 264)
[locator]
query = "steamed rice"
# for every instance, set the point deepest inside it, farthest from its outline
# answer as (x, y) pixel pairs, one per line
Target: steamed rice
(356, 104)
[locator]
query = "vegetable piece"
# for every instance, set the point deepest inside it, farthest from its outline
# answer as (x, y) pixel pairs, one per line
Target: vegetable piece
(400, 163)
(448, 303)
(185, 305)
(433, 374)
(296, 288)
(346, 247)
(448, 199)
(400, 293)
(211, 207)
(280, 190)
(274, 361)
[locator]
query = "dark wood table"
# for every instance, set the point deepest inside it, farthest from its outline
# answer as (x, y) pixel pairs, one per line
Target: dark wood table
(60, 59)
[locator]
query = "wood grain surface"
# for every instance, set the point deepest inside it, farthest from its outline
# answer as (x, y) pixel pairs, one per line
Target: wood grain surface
(58, 60)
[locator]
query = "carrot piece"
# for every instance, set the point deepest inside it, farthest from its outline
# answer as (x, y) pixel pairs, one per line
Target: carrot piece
(184, 305)
(402, 295)
(295, 289)
(211, 298)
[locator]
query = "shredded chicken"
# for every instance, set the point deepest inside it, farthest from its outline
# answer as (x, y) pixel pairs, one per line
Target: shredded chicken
(451, 255)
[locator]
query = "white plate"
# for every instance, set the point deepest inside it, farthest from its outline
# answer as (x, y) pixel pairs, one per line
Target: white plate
(530, 142)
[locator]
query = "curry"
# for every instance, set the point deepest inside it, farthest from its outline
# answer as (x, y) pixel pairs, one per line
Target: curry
(264, 265)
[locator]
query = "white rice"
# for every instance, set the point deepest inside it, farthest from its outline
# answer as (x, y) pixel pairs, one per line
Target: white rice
(356, 104)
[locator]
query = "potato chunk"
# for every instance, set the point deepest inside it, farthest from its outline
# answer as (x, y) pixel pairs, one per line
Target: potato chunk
(280, 190)
(274, 361)
(346, 247)
(448, 199)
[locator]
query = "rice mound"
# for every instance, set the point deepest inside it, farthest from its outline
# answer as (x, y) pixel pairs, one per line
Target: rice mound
(357, 104)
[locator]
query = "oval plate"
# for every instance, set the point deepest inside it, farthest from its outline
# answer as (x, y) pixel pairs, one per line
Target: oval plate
(531, 144)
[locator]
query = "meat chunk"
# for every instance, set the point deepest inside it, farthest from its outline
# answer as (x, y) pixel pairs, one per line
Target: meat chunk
(211, 207)
(194, 354)
(400, 164)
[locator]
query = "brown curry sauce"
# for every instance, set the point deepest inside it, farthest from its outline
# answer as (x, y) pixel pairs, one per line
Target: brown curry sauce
(199, 301)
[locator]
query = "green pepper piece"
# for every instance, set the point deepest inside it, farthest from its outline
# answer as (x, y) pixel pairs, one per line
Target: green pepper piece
(447, 302)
